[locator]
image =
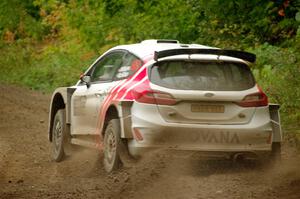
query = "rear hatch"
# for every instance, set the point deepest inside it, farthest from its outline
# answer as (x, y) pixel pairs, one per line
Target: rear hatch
(204, 92)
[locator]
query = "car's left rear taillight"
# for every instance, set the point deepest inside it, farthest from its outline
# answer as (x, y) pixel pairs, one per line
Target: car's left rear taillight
(149, 96)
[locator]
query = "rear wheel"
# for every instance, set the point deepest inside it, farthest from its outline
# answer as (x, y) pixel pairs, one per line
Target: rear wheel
(111, 159)
(115, 149)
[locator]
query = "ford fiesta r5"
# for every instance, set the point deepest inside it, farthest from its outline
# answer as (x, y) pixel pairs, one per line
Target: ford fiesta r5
(160, 94)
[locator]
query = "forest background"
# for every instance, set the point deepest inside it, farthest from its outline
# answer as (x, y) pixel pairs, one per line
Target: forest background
(45, 44)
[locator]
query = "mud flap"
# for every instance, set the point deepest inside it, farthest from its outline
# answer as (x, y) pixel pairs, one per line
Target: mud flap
(275, 119)
(124, 109)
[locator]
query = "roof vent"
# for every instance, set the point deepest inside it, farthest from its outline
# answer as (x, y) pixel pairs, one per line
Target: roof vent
(160, 41)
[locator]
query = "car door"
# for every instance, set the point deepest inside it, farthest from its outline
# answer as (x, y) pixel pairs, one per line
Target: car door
(88, 99)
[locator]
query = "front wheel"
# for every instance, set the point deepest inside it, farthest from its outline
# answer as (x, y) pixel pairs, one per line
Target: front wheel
(60, 136)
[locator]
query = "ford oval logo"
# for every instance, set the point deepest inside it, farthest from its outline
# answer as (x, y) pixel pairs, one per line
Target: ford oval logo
(209, 94)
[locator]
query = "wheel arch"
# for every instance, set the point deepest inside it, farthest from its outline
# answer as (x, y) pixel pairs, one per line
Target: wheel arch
(59, 100)
(111, 113)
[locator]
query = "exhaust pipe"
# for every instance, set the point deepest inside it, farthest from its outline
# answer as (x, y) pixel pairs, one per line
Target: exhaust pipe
(238, 157)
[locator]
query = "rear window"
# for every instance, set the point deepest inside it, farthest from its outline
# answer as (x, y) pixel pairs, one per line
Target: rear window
(195, 75)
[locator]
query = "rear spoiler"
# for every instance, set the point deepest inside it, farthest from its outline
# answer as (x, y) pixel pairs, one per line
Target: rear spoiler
(231, 53)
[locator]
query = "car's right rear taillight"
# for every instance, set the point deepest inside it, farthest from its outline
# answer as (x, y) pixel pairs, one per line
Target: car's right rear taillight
(254, 100)
(149, 96)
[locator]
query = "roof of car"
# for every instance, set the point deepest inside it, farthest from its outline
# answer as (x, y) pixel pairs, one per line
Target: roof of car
(148, 47)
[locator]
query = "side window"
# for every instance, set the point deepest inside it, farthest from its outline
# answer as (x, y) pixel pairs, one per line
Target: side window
(105, 69)
(129, 66)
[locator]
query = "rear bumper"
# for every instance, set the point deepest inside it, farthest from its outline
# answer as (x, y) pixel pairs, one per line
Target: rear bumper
(155, 133)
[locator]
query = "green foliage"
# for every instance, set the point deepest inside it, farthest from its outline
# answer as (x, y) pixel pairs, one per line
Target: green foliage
(14, 62)
(48, 43)
(56, 67)
(44, 67)
(248, 23)
(277, 71)
(21, 18)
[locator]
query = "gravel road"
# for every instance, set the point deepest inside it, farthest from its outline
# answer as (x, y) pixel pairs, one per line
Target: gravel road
(27, 171)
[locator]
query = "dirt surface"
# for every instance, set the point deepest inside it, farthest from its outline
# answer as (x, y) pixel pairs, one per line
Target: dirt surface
(27, 171)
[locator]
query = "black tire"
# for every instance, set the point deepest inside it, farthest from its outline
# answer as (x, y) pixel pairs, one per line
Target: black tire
(112, 146)
(59, 135)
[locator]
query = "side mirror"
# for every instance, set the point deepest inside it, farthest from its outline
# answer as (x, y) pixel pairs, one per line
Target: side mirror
(86, 79)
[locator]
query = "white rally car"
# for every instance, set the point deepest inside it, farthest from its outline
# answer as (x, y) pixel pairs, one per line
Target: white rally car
(160, 94)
